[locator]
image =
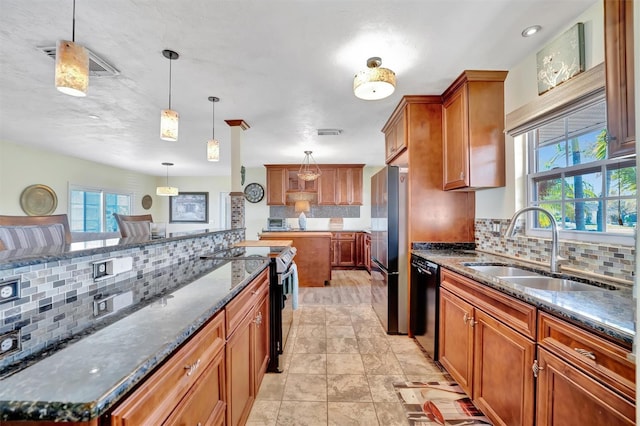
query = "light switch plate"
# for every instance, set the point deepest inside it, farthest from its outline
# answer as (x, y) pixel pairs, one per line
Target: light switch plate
(9, 290)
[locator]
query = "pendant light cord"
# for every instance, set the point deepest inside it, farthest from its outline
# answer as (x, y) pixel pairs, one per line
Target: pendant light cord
(73, 27)
(213, 120)
(169, 87)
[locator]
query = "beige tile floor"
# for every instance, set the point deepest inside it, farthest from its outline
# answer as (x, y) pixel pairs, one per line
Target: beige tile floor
(339, 366)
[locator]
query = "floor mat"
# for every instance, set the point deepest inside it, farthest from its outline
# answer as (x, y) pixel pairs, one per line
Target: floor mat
(438, 403)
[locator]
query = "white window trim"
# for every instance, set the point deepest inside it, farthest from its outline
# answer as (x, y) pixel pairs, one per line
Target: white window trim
(76, 187)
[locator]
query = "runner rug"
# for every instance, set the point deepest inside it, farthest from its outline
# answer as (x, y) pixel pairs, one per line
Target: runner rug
(438, 403)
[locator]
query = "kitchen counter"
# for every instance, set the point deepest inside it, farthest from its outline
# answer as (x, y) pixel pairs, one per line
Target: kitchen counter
(83, 380)
(608, 312)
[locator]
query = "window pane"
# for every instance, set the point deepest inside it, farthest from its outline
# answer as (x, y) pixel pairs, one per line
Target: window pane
(586, 185)
(541, 220)
(115, 203)
(550, 157)
(621, 181)
(583, 216)
(548, 189)
(622, 216)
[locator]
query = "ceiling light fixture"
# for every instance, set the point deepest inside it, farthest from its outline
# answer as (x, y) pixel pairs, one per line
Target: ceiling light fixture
(329, 132)
(168, 117)
(72, 64)
(375, 82)
(307, 171)
(167, 191)
(529, 31)
(213, 147)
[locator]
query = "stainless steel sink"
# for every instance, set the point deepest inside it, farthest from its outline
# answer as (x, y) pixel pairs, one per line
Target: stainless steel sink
(550, 283)
(503, 270)
(526, 278)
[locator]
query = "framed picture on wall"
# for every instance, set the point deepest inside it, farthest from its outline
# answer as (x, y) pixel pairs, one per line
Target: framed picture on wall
(189, 207)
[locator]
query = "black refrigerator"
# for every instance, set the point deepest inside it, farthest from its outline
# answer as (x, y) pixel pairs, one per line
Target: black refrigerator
(389, 249)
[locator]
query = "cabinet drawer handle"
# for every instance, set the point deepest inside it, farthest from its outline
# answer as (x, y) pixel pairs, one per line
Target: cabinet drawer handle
(258, 319)
(585, 353)
(536, 368)
(472, 322)
(191, 368)
(466, 317)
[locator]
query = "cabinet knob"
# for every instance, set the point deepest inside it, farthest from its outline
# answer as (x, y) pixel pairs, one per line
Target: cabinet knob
(466, 318)
(191, 368)
(536, 368)
(585, 353)
(258, 320)
(461, 175)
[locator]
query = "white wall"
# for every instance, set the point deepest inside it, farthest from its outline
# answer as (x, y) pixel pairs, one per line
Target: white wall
(520, 89)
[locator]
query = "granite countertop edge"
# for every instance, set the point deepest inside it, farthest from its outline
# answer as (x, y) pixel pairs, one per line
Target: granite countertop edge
(64, 411)
(454, 260)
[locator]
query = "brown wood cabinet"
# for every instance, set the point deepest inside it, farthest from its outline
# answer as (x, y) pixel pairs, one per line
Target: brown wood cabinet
(367, 251)
(339, 184)
(395, 138)
(473, 131)
(478, 337)
(568, 396)
(179, 382)
(620, 86)
(247, 351)
(343, 249)
(313, 256)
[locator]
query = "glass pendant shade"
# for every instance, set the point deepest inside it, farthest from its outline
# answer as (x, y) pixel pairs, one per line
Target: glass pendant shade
(213, 150)
(72, 68)
(375, 82)
(169, 125)
(309, 172)
(167, 191)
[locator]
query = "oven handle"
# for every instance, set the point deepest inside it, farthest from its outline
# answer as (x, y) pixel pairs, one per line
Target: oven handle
(286, 274)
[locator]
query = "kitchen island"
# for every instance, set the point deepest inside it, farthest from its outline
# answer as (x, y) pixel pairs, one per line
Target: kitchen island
(313, 255)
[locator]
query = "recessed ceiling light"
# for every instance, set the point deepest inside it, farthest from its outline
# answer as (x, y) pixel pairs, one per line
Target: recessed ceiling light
(529, 31)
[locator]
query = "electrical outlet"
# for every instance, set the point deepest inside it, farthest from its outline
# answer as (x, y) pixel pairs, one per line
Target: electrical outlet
(99, 269)
(110, 304)
(9, 342)
(9, 290)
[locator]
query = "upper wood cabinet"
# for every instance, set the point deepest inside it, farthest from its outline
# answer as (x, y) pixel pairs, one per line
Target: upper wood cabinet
(395, 137)
(339, 184)
(473, 131)
(619, 57)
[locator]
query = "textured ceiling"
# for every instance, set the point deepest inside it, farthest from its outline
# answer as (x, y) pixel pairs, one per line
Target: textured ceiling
(285, 67)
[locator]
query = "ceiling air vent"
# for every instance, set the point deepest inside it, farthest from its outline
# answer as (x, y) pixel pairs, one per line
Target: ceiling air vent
(329, 132)
(97, 66)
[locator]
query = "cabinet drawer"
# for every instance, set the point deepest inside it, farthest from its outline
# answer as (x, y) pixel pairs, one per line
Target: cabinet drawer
(155, 399)
(518, 315)
(246, 300)
(343, 235)
(600, 358)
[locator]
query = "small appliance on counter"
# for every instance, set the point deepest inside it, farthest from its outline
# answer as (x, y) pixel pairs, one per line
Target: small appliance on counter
(277, 224)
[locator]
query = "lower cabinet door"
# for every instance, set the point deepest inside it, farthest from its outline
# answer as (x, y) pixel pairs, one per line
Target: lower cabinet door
(503, 383)
(204, 403)
(456, 338)
(567, 396)
(240, 372)
(261, 323)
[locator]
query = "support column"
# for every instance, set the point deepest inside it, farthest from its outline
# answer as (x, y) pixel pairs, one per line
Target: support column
(237, 195)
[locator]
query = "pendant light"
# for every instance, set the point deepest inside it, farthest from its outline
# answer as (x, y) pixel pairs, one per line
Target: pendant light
(167, 191)
(168, 117)
(213, 147)
(374, 83)
(72, 64)
(307, 171)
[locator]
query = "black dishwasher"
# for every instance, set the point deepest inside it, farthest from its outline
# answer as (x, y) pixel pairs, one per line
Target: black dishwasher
(425, 301)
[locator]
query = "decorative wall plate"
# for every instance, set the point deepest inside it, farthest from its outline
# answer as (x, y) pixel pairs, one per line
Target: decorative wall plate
(254, 192)
(147, 202)
(38, 200)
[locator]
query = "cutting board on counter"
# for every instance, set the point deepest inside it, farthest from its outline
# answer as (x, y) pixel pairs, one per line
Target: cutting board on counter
(264, 243)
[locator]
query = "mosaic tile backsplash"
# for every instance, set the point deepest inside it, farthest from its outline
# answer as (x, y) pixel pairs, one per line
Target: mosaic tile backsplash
(608, 260)
(56, 300)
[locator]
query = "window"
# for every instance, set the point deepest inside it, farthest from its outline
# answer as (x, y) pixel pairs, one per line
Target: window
(91, 210)
(572, 176)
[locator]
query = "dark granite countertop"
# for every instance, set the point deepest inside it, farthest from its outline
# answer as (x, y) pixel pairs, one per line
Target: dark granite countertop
(607, 311)
(83, 380)
(10, 259)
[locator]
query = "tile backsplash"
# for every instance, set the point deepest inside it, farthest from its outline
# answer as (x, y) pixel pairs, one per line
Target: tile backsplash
(609, 260)
(56, 300)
